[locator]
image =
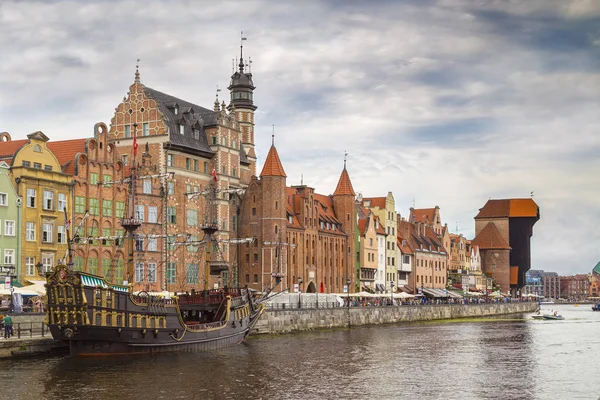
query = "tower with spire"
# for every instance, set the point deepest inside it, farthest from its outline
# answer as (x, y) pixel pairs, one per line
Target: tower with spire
(344, 205)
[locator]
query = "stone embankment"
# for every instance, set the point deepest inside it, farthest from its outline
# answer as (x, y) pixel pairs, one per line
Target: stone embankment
(294, 320)
(30, 338)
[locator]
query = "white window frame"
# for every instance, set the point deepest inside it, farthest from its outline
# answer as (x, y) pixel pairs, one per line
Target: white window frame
(139, 272)
(47, 262)
(145, 129)
(31, 195)
(47, 232)
(9, 227)
(152, 214)
(30, 231)
(9, 256)
(30, 266)
(152, 243)
(62, 202)
(181, 129)
(61, 234)
(147, 186)
(152, 272)
(139, 212)
(48, 200)
(4, 199)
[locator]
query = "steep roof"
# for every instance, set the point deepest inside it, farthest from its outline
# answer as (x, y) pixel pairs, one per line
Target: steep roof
(344, 186)
(192, 116)
(509, 208)
(374, 201)
(596, 269)
(8, 149)
(490, 238)
(273, 165)
(422, 215)
(65, 151)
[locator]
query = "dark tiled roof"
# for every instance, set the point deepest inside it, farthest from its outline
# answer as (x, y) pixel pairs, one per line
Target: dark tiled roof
(190, 115)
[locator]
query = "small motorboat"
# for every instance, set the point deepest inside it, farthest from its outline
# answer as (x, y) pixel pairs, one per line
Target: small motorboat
(596, 307)
(553, 317)
(537, 316)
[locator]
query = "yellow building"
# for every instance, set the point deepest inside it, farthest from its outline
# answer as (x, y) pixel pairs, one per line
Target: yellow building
(45, 192)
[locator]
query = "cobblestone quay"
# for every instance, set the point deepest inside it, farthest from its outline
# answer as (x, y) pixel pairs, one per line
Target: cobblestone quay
(294, 320)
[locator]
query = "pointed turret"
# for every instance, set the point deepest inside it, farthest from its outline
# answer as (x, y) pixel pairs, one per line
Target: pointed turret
(344, 186)
(273, 165)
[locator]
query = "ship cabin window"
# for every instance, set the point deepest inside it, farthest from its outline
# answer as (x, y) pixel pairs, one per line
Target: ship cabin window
(61, 293)
(98, 297)
(119, 320)
(134, 322)
(143, 322)
(152, 323)
(109, 320)
(69, 292)
(98, 319)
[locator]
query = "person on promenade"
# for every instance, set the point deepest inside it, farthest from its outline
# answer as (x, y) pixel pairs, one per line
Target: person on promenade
(7, 327)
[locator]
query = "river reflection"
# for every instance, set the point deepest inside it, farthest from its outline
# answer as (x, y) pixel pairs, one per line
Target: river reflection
(508, 358)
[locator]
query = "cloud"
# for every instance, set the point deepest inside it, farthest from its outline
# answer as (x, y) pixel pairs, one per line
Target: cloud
(442, 103)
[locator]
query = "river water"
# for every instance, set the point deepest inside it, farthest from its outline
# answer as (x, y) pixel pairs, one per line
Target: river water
(508, 357)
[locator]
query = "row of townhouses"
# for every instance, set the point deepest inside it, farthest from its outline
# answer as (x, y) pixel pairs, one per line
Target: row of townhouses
(268, 233)
(550, 285)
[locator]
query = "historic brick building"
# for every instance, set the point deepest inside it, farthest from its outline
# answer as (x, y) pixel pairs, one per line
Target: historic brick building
(186, 148)
(503, 229)
(302, 237)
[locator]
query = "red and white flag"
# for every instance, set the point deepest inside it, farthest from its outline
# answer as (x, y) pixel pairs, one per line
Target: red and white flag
(135, 145)
(214, 174)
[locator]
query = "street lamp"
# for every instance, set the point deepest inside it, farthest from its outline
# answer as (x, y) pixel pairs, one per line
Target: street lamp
(392, 292)
(299, 292)
(40, 268)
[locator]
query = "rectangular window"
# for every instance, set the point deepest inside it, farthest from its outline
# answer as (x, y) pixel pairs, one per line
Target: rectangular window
(94, 207)
(106, 267)
(107, 208)
(152, 244)
(188, 163)
(124, 159)
(188, 188)
(119, 270)
(193, 244)
(127, 131)
(61, 233)
(139, 272)
(78, 263)
(106, 180)
(171, 243)
(196, 134)
(30, 266)
(195, 165)
(181, 129)
(192, 217)
(48, 200)
(9, 256)
(171, 272)
(9, 228)
(147, 186)
(62, 202)
(79, 204)
(214, 140)
(47, 262)
(37, 165)
(205, 167)
(139, 244)
(139, 212)
(171, 215)
(120, 209)
(30, 197)
(105, 234)
(170, 160)
(191, 273)
(30, 231)
(152, 272)
(146, 129)
(120, 239)
(92, 234)
(93, 178)
(152, 214)
(3, 199)
(406, 259)
(170, 187)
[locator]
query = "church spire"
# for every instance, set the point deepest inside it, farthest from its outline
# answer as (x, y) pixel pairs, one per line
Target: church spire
(242, 38)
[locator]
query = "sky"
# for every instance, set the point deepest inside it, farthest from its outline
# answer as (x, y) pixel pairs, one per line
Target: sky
(441, 102)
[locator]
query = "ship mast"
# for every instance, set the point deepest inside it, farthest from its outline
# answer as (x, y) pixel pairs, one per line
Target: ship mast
(129, 222)
(210, 226)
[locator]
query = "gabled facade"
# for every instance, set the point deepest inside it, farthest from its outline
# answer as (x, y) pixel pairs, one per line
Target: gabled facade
(368, 257)
(45, 191)
(10, 222)
(385, 209)
(380, 283)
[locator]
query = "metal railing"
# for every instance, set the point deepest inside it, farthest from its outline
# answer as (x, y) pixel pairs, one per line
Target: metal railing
(28, 329)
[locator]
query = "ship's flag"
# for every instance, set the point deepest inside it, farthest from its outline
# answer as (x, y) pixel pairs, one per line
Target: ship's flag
(135, 145)
(214, 174)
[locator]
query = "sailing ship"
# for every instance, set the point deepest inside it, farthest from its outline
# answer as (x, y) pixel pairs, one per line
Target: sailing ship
(98, 317)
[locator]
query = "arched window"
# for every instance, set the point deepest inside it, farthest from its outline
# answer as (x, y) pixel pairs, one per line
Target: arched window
(37, 148)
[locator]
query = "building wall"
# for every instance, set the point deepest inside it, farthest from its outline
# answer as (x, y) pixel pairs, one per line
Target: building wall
(368, 255)
(11, 211)
(43, 174)
(496, 263)
(501, 223)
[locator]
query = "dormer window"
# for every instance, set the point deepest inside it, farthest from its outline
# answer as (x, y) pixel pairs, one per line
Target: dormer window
(196, 134)
(181, 128)
(176, 110)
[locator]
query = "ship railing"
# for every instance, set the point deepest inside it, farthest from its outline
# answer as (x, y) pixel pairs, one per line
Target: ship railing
(205, 326)
(152, 300)
(29, 329)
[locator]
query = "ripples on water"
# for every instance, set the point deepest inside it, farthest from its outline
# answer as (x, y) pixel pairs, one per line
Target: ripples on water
(502, 358)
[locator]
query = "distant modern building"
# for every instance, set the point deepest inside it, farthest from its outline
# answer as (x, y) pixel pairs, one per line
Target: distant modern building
(551, 284)
(575, 288)
(534, 283)
(503, 229)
